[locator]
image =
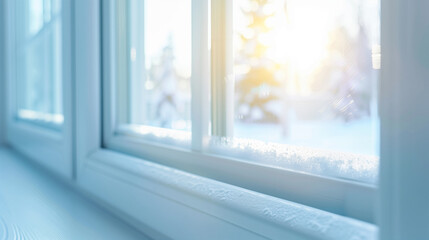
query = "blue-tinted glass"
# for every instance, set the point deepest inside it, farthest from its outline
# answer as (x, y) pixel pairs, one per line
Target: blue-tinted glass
(38, 60)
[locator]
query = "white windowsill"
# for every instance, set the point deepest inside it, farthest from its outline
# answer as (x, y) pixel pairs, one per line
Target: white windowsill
(258, 215)
(36, 205)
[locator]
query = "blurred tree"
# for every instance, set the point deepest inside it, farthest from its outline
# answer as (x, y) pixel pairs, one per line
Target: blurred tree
(346, 73)
(168, 102)
(258, 89)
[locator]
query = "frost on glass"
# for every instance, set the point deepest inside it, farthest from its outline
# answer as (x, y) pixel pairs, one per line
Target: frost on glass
(38, 60)
(159, 57)
(306, 77)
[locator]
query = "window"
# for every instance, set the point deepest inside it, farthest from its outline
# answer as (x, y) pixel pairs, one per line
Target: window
(154, 71)
(282, 81)
(304, 83)
(278, 146)
(39, 86)
(273, 89)
(38, 61)
(151, 91)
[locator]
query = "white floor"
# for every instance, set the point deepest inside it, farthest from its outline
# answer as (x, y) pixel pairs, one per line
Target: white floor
(36, 205)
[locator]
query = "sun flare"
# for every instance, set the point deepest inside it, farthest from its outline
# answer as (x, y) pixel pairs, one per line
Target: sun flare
(297, 35)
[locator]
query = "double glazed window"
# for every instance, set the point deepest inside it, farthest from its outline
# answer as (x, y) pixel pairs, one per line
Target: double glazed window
(291, 83)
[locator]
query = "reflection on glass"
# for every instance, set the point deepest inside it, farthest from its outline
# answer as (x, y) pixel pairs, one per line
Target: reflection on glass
(160, 63)
(306, 73)
(38, 60)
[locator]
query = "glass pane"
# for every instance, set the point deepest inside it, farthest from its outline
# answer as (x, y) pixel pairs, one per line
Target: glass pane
(38, 60)
(159, 56)
(306, 73)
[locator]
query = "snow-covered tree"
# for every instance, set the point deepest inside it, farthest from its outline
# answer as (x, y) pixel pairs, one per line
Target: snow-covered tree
(258, 88)
(169, 101)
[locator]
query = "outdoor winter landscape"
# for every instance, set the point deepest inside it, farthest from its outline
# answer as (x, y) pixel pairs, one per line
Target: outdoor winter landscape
(306, 72)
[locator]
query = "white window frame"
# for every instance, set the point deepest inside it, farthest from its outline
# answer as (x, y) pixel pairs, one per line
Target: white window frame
(158, 199)
(155, 186)
(49, 146)
(347, 198)
(404, 162)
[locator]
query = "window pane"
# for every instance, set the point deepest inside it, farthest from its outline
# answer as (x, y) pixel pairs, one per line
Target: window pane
(159, 57)
(38, 60)
(306, 73)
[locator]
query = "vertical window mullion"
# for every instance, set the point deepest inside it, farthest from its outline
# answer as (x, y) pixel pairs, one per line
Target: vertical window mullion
(110, 68)
(200, 73)
(222, 85)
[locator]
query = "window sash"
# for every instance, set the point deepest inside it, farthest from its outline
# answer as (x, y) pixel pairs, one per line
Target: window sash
(222, 62)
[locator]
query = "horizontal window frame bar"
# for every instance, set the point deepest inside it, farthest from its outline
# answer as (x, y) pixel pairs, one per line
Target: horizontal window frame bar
(339, 196)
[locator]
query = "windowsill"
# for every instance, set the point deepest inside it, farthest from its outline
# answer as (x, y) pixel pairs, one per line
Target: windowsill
(253, 213)
(332, 194)
(35, 205)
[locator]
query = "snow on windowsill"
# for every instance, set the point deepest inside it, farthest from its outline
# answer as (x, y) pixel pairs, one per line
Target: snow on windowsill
(171, 137)
(351, 166)
(46, 118)
(357, 167)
